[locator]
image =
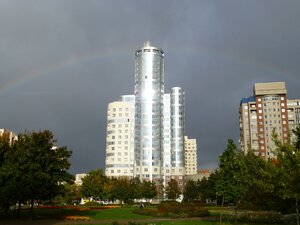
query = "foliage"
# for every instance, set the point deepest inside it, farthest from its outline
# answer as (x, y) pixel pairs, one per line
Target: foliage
(263, 217)
(287, 169)
(176, 209)
(172, 190)
(92, 204)
(148, 190)
(6, 172)
(37, 165)
(234, 179)
(93, 184)
(72, 193)
(191, 191)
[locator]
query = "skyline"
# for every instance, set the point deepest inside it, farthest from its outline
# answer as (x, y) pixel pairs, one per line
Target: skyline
(63, 62)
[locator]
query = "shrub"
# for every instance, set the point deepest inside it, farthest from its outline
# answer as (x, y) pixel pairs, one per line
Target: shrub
(266, 217)
(175, 209)
(91, 204)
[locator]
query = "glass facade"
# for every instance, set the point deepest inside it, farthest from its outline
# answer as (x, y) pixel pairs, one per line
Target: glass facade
(149, 92)
(177, 127)
(145, 132)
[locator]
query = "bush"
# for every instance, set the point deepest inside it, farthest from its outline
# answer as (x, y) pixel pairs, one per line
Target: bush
(182, 209)
(265, 217)
(91, 204)
(175, 209)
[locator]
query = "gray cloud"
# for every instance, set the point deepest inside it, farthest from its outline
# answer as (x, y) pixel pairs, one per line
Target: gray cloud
(62, 62)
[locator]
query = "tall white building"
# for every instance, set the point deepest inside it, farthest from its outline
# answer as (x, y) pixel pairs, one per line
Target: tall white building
(148, 142)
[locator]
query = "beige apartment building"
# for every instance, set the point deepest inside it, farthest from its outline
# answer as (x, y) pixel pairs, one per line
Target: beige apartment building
(268, 110)
(190, 153)
(119, 138)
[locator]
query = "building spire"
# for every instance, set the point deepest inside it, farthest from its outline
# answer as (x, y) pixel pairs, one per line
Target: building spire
(147, 43)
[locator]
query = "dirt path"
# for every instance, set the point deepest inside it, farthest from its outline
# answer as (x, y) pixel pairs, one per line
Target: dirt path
(123, 221)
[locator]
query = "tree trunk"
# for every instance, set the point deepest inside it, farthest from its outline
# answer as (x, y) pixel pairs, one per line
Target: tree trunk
(235, 211)
(31, 208)
(19, 209)
(221, 213)
(6, 209)
(297, 211)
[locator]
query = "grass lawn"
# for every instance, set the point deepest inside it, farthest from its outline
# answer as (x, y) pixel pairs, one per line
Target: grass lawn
(115, 213)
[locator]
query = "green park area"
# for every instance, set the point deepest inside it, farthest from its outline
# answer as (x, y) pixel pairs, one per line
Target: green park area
(172, 213)
(36, 188)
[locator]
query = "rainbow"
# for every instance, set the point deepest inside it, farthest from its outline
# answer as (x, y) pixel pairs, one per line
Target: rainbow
(85, 57)
(43, 70)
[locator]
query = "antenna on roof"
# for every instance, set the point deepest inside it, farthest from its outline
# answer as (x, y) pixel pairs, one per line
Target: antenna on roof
(147, 44)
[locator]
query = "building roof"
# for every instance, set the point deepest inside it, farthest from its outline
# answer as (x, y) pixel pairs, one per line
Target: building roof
(246, 100)
(269, 88)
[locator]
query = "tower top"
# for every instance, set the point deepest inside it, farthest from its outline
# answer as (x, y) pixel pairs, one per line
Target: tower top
(147, 43)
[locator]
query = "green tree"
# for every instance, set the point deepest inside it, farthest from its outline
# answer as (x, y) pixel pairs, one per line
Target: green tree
(6, 173)
(148, 190)
(109, 189)
(172, 190)
(38, 167)
(288, 169)
(122, 190)
(93, 184)
(233, 180)
(72, 193)
(191, 192)
(206, 188)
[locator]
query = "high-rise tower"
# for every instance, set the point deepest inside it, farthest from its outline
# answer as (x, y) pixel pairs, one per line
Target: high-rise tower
(266, 112)
(145, 131)
(149, 94)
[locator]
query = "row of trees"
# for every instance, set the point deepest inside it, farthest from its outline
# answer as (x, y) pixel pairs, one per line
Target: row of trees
(32, 168)
(249, 181)
(96, 185)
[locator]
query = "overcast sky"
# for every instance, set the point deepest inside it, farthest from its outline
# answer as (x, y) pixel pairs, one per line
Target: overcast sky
(63, 61)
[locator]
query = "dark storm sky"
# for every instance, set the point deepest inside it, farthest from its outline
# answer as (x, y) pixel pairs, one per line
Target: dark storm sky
(63, 61)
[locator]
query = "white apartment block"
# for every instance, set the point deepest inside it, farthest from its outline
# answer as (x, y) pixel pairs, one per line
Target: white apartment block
(119, 139)
(190, 152)
(293, 111)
